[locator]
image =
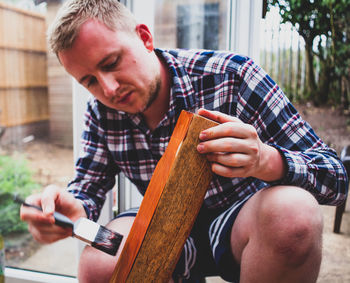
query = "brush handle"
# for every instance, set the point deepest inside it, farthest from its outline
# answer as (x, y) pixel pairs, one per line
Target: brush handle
(60, 219)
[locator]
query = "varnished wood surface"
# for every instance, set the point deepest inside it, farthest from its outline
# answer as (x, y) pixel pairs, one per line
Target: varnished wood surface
(169, 208)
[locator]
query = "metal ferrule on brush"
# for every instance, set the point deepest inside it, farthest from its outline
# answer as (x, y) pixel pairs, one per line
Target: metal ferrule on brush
(86, 230)
(97, 236)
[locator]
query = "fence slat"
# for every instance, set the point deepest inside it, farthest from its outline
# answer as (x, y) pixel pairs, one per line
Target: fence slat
(23, 68)
(283, 59)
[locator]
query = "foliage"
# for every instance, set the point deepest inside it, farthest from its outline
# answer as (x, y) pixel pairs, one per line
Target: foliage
(15, 177)
(341, 47)
(324, 26)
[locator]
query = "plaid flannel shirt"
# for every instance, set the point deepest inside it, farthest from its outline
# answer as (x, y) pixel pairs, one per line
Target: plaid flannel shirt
(115, 141)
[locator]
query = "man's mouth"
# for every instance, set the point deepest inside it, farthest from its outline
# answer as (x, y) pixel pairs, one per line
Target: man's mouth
(124, 98)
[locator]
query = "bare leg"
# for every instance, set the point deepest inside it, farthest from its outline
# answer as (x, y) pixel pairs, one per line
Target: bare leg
(277, 236)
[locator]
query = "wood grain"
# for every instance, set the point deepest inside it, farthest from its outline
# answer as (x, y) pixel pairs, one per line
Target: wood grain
(169, 208)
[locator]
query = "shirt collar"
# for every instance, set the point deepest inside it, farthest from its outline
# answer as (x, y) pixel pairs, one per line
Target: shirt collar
(182, 93)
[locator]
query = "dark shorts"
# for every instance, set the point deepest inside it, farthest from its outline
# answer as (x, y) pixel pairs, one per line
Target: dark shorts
(207, 251)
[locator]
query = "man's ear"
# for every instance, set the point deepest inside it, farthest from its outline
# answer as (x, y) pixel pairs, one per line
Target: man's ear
(145, 35)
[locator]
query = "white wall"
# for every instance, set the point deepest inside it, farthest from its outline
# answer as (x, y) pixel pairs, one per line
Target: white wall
(245, 27)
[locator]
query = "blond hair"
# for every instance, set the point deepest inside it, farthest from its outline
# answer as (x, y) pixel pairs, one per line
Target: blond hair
(73, 13)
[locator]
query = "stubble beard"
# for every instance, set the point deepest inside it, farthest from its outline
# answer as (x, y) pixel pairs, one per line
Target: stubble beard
(153, 92)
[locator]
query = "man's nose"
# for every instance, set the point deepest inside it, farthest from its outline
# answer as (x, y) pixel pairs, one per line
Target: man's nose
(109, 85)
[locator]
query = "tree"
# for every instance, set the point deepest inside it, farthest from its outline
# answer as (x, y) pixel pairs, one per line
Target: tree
(341, 45)
(315, 21)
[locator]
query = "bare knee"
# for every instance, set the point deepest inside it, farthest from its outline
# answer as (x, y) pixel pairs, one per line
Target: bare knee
(290, 222)
(97, 266)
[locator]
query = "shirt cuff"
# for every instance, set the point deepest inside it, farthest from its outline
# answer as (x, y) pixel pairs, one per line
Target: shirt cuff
(88, 204)
(296, 168)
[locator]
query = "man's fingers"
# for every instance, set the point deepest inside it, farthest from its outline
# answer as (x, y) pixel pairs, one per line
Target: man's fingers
(48, 233)
(222, 145)
(229, 159)
(48, 199)
(217, 116)
(229, 129)
(34, 199)
(229, 172)
(41, 223)
(30, 214)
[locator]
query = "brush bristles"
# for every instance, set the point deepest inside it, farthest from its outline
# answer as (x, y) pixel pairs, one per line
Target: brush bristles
(107, 241)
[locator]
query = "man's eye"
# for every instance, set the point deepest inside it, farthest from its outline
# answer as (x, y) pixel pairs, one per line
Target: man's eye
(111, 65)
(91, 81)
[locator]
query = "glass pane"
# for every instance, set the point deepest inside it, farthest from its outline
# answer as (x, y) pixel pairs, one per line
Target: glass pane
(191, 24)
(35, 132)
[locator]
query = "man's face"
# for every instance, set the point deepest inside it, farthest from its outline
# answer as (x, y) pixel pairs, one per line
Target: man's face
(117, 67)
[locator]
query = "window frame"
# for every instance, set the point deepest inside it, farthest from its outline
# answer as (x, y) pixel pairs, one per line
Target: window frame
(17, 275)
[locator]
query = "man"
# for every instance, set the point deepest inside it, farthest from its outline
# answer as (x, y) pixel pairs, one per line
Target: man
(260, 221)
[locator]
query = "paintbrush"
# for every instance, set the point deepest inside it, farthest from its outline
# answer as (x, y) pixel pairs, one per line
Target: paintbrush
(85, 230)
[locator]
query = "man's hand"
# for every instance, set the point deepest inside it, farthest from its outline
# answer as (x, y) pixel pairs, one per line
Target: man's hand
(235, 149)
(41, 224)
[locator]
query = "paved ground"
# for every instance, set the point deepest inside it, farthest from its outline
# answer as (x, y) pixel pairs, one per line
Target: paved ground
(60, 257)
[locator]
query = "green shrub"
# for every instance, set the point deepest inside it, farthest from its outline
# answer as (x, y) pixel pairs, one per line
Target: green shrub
(15, 178)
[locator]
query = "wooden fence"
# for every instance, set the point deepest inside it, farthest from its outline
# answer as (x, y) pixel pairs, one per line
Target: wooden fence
(60, 93)
(283, 57)
(23, 67)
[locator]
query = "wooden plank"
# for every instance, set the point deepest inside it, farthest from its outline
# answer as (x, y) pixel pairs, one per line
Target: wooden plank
(169, 208)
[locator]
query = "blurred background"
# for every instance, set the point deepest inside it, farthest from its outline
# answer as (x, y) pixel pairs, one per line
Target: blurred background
(303, 45)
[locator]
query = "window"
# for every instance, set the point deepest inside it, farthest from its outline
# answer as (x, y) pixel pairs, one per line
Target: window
(36, 146)
(195, 24)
